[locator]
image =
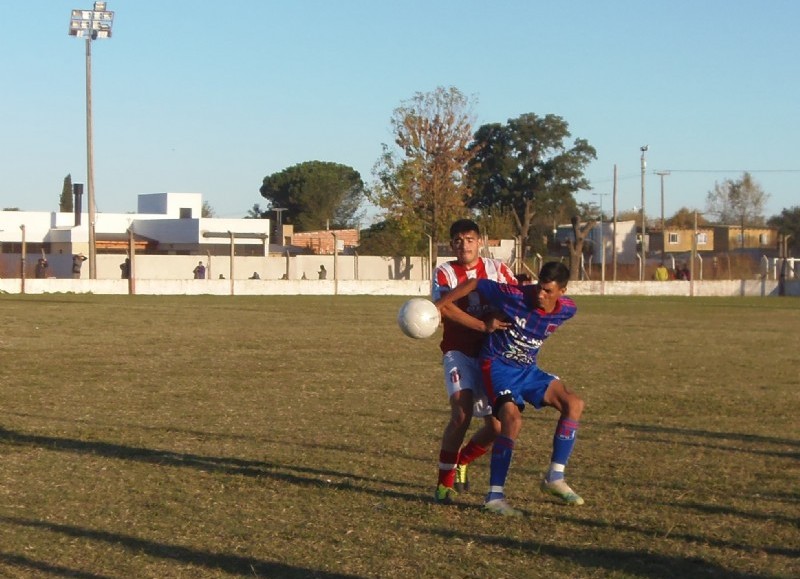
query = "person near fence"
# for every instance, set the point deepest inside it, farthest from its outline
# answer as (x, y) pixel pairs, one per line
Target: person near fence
(512, 376)
(460, 347)
(662, 273)
(77, 262)
(125, 268)
(41, 268)
(199, 271)
(323, 273)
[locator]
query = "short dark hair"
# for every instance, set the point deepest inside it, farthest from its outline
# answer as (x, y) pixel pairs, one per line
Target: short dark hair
(554, 271)
(463, 226)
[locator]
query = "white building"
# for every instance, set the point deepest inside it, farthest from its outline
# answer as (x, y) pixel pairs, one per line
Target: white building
(165, 224)
(623, 244)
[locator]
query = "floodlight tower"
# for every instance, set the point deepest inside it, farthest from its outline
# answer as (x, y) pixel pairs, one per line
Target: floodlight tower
(91, 24)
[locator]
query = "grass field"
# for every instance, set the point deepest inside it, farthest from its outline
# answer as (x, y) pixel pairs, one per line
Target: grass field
(298, 437)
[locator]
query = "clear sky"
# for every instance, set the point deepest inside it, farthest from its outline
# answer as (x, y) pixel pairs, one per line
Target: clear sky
(210, 97)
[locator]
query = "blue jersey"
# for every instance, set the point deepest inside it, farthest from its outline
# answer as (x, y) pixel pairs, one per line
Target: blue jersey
(519, 345)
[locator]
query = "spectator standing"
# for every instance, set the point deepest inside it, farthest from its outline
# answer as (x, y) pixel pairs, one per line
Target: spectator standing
(41, 268)
(77, 262)
(199, 271)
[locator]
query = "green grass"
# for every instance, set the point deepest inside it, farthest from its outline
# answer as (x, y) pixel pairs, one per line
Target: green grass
(298, 437)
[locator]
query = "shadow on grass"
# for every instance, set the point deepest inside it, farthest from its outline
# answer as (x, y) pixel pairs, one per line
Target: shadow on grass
(29, 564)
(207, 435)
(718, 510)
(232, 466)
(687, 537)
(245, 566)
(705, 434)
(636, 563)
(755, 451)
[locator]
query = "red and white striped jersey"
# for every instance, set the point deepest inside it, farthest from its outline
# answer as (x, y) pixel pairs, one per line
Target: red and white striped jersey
(451, 274)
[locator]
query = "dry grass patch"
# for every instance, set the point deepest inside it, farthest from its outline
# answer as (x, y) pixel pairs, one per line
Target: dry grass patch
(297, 437)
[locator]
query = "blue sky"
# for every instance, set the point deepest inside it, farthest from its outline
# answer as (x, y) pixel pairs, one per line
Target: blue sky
(212, 97)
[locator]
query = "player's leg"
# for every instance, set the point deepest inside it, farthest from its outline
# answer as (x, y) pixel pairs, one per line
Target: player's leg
(482, 440)
(461, 402)
(510, 417)
(477, 446)
(570, 406)
(500, 380)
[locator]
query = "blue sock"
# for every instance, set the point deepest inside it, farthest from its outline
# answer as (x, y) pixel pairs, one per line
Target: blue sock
(563, 443)
(502, 450)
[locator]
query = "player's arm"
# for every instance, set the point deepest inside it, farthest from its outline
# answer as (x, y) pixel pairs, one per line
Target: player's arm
(448, 309)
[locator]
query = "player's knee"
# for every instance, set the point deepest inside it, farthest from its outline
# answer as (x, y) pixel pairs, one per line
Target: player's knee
(459, 419)
(575, 405)
(492, 426)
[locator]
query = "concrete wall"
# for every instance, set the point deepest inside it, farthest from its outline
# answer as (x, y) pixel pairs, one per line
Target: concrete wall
(764, 288)
(720, 288)
(176, 267)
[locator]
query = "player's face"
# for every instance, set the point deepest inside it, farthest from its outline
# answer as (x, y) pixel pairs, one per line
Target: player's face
(466, 246)
(549, 294)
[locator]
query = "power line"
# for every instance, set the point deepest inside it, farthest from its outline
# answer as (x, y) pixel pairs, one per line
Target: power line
(638, 175)
(733, 171)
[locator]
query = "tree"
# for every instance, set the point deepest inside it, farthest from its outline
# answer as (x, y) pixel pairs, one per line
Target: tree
(206, 210)
(525, 166)
(684, 219)
(316, 195)
(579, 233)
(423, 185)
(392, 237)
(255, 212)
(65, 204)
(788, 223)
(737, 202)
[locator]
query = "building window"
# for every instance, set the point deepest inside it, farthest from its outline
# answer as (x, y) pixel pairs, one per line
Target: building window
(673, 239)
(763, 239)
(186, 213)
(702, 238)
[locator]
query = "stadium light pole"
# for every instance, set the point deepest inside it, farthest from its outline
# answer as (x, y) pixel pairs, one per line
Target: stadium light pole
(644, 216)
(91, 24)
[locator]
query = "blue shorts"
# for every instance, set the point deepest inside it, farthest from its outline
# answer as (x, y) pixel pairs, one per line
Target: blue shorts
(520, 384)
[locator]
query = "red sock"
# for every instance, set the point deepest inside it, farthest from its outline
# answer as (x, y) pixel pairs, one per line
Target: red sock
(447, 467)
(470, 452)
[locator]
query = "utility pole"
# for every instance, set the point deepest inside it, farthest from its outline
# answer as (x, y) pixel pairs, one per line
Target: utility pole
(662, 174)
(614, 230)
(644, 217)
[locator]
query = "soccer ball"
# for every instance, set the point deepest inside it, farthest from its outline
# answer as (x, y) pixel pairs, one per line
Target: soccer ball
(418, 318)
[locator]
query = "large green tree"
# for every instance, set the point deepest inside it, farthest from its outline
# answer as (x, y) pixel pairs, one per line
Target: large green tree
(316, 194)
(392, 237)
(421, 183)
(739, 202)
(788, 224)
(65, 204)
(527, 166)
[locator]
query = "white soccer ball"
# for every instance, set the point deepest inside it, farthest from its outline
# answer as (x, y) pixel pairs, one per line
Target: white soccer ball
(418, 318)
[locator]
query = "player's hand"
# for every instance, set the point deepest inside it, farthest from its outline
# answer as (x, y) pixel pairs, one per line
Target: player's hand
(492, 323)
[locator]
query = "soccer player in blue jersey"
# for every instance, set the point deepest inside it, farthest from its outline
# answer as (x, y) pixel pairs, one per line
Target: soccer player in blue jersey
(512, 376)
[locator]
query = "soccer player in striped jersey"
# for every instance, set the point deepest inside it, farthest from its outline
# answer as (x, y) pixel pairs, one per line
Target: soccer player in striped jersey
(460, 347)
(512, 377)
